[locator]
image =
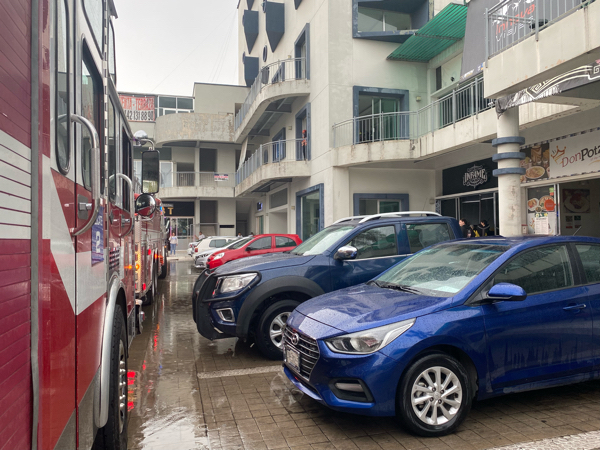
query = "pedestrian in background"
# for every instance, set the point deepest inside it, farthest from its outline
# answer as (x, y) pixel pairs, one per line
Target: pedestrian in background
(484, 228)
(464, 228)
(173, 242)
(474, 232)
(201, 236)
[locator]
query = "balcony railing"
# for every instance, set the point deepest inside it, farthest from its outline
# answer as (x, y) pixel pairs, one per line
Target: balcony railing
(461, 103)
(272, 152)
(284, 70)
(509, 22)
(200, 179)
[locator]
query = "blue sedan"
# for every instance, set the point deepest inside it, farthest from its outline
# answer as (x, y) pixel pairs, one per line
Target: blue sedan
(458, 321)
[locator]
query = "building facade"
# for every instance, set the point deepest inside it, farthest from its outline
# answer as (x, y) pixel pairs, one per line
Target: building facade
(368, 106)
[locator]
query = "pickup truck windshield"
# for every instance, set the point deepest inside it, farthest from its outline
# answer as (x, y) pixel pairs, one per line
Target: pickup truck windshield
(321, 241)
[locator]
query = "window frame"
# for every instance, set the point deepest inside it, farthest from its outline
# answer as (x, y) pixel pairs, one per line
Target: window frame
(264, 238)
(67, 167)
(579, 263)
(285, 246)
(450, 234)
(364, 230)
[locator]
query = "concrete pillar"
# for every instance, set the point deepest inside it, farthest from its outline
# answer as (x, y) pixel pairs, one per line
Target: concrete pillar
(196, 216)
(509, 172)
(337, 201)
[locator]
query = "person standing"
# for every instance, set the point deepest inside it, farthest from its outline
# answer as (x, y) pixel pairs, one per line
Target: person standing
(173, 242)
(464, 228)
(239, 235)
(484, 228)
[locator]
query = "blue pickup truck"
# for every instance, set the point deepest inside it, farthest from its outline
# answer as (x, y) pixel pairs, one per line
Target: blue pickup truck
(253, 297)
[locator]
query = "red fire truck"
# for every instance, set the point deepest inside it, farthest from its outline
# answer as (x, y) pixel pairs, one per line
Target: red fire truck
(67, 294)
(150, 252)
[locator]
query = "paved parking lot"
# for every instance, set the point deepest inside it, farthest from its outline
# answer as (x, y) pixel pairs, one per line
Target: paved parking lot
(186, 392)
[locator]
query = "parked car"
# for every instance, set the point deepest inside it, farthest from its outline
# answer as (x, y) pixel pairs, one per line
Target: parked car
(463, 320)
(252, 297)
(201, 259)
(212, 242)
(191, 246)
(260, 244)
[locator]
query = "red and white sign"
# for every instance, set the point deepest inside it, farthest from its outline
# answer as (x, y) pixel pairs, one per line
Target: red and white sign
(138, 109)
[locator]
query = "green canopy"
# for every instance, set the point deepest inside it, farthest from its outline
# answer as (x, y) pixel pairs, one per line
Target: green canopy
(447, 27)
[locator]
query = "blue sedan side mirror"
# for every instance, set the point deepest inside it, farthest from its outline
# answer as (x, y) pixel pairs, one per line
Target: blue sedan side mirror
(507, 292)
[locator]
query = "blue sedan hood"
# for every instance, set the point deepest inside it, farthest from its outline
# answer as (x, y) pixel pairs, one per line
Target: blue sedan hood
(262, 262)
(364, 306)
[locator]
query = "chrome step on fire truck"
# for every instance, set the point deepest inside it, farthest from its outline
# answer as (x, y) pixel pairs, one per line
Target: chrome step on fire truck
(67, 208)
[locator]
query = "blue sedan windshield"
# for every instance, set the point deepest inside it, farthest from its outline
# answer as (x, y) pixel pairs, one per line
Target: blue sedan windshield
(444, 269)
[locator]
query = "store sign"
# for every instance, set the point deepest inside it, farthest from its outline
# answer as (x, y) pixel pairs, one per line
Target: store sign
(575, 154)
(138, 109)
(179, 209)
(469, 177)
(475, 176)
(221, 177)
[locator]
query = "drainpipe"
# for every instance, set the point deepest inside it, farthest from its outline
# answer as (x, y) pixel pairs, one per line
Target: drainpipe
(509, 172)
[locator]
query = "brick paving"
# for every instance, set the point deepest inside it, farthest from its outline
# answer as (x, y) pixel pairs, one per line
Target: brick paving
(190, 393)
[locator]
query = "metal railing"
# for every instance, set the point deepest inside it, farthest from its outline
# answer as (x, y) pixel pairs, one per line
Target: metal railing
(510, 21)
(466, 101)
(284, 70)
(202, 179)
(273, 152)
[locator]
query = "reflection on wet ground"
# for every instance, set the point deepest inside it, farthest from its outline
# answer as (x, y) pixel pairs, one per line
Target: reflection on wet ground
(186, 392)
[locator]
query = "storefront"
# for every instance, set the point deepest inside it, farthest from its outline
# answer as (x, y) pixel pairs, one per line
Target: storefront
(470, 192)
(562, 185)
(181, 217)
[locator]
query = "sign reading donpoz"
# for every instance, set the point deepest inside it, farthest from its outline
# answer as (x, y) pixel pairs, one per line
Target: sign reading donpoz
(138, 109)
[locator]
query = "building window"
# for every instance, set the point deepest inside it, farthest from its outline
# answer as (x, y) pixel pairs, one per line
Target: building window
(303, 133)
(378, 109)
(166, 174)
(278, 146)
(302, 54)
(174, 105)
(309, 211)
(371, 20)
(368, 204)
(260, 224)
(208, 160)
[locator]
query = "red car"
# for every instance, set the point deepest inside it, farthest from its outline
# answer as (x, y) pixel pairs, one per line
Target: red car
(252, 246)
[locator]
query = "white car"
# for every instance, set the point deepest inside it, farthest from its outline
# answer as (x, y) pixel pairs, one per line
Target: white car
(210, 243)
(200, 259)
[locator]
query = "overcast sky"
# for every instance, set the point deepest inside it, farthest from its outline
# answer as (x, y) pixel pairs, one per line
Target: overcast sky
(164, 46)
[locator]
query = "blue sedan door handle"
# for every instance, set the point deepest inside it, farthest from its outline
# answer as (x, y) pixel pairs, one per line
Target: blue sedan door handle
(576, 308)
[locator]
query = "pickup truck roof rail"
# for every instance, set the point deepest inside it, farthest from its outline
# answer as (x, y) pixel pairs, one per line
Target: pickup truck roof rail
(384, 215)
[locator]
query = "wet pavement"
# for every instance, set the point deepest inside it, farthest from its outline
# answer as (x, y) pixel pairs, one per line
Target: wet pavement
(186, 392)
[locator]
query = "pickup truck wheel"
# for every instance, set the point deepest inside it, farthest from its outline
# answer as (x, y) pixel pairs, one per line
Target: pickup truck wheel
(114, 434)
(269, 335)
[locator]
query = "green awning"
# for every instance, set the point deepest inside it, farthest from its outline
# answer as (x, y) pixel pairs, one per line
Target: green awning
(446, 28)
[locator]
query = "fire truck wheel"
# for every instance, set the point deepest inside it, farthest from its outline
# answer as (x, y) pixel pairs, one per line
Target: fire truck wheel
(163, 270)
(114, 434)
(152, 291)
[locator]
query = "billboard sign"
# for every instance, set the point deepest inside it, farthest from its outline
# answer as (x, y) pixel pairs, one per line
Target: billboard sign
(138, 109)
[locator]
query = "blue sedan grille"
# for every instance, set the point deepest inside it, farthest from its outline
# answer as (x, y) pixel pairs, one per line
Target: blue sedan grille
(308, 349)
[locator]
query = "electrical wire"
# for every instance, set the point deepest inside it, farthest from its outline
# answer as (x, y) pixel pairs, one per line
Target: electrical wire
(223, 54)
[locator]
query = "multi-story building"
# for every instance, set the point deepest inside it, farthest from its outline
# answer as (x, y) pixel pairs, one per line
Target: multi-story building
(371, 106)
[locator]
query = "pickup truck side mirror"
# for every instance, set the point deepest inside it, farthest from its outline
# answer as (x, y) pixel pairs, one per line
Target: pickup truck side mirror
(346, 252)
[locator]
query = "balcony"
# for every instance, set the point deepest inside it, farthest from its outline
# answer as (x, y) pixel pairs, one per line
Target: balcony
(273, 161)
(176, 128)
(464, 102)
(529, 43)
(271, 95)
(197, 184)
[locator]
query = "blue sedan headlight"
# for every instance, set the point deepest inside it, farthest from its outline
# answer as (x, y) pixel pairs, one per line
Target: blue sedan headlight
(368, 341)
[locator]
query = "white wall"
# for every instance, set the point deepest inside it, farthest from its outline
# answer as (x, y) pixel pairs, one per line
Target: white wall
(218, 98)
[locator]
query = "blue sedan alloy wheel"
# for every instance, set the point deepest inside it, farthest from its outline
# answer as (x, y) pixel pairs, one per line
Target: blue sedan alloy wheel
(435, 395)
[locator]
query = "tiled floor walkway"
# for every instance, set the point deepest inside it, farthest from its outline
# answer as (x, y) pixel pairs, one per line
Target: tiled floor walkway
(190, 393)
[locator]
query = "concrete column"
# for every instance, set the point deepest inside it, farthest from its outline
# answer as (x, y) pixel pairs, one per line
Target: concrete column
(337, 201)
(509, 172)
(196, 216)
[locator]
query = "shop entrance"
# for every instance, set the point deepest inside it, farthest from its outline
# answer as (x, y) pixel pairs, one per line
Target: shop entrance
(474, 209)
(571, 208)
